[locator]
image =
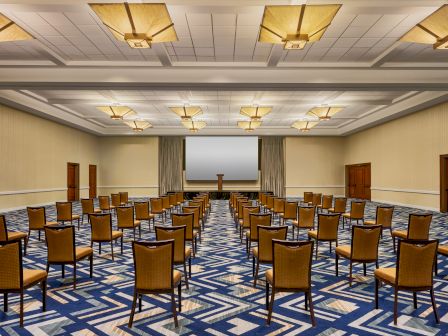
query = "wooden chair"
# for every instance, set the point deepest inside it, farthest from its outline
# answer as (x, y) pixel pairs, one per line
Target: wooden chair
(307, 197)
(305, 219)
(418, 228)
(182, 253)
(124, 198)
(263, 200)
(244, 223)
(327, 202)
(101, 231)
(142, 213)
(157, 208)
(105, 205)
(269, 203)
(125, 220)
(187, 220)
(356, 212)
(166, 204)
(340, 205)
(278, 208)
(196, 224)
(180, 198)
(37, 219)
(290, 212)
(154, 273)
(62, 250)
(15, 279)
(317, 200)
(239, 213)
(263, 252)
(363, 247)
(6, 236)
(291, 272)
(413, 272)
(442, 250)
(252, 234)
(197, 201)
(383, 217)
(327, 230)
(115, 199)
(88, 207)
(236, 205)
(173, 200)
(65, 213)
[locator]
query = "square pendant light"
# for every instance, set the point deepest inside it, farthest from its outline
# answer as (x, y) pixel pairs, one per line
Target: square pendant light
(10, 31)
(304, 125)
(138, 125)
(187, 112)
(193, 126)
(117, 112)
(324, 112)
(249, 126)
(255, 112)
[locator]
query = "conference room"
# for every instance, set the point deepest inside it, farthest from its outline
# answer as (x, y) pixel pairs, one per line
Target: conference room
(247, 167)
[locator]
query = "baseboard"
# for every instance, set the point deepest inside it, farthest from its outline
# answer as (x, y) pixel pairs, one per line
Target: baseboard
(22, 207)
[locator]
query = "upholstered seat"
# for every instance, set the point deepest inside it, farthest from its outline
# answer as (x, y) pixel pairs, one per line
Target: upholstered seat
(344, 250)
(255, 252)
(386, 274)
(177, 276)
(331, 209)
(31, 276)
(82, 252)
(101, 231)
(116, 234)
(270, 276)
(14, 235)
(443, 249)
(370, 222)
(400, 233)
(312, 234)
(346, 215)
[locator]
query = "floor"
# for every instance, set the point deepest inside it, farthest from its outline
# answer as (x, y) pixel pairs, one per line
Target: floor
(221, 299)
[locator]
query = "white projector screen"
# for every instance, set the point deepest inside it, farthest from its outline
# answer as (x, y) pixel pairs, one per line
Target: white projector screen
(235, 157)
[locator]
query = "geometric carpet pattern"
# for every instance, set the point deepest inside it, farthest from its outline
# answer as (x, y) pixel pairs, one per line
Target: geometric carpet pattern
(221, 299)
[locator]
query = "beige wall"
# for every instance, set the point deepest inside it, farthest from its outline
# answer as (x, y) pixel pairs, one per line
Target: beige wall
(129, 164)
(314, 164)
(34, 155)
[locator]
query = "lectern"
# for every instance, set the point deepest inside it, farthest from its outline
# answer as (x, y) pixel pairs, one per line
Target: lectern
(220, 181)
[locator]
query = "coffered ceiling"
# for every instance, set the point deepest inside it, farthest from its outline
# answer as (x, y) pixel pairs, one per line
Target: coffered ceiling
(75, 64)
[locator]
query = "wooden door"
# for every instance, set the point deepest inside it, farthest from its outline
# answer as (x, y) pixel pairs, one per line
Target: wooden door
(92, 181)
(72, 181)
(444, 183)
(358, 181)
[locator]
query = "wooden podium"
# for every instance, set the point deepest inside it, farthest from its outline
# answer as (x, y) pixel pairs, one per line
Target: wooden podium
(220, 181)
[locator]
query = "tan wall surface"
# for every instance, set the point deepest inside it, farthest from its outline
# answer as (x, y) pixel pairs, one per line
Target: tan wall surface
(35, 153)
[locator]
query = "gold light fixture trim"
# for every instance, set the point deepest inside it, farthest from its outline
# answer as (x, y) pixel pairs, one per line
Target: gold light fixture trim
(304, 125)
(295, 25)
(11, 31)
(187, 112)
(249, 126)
(138, 24)
(193, 126)
(255, 112)
(432, 30)
(138, 125)
(117, 112)
(324, 112)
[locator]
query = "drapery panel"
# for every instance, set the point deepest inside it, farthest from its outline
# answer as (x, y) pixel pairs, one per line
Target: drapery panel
(170, 164)
(273, 165)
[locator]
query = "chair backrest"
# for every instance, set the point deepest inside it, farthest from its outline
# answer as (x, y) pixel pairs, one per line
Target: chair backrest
(415, 262)
(265, 236)
(64, 211)
(365, 241)
(199, 205)
(156, 205)
(184, 219)
(260, 197)
(247, 210)
(279, 205)
(317, 199)
(263, 198)
(384, 216)
(196, 211)
(201, 201)
(165, 202)
(238, 200)
(176, 233)
(307, 197)
(290, 210)
(357, 209)
(340, 204)
(327, 226)
(87, 205)
(125, 217)
(153, 264)
(256, 220)
(306, 216)
(418, 226)
(101, 226)
(172, 199)
(241, 205)
(60, 243)
(270, 201)
(124, 197)
(115, 199)
(327, 201)
(104, 202)
(3, 229)
(11, 276)
(141, 210)
(180, 197)
(292, 264)
(36, 218)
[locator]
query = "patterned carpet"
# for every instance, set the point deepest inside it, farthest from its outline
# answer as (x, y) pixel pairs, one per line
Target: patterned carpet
(221, 299)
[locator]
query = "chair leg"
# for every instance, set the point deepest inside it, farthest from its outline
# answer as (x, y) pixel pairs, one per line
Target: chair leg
(365, 269)
(376, 293)
(112, 249)
(100, 247)
(39, 234)
(271, 305)
(189, 267)
(25, 243)
(415, 299)
(267, 295)
(74, 275)
(121, 244)
(134, 303)
(393, 241)
(253, 266)
(5, 302)
(395, 305)
(91, 266)
(173, 308)
(330, 246)
(140, 231)
(434, 306)
(63, 270)
(313, 320)
(179, 294)
(436, 266)
(21, 308)
(350, 274)
(256, 273)
(186, 274)
(317, 247)
(44, 295)
(306, 300)
(140, 299)
(336, 265)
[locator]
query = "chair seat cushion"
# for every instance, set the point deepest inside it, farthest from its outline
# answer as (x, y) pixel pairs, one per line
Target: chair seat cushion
(176, 277)
(75, 217)
(187, 252)
(369, 222)
(31, 276)
(400, 233)
(386, 274)
(295, 222)
(331, 209)
(312, 234)
(116, 234)
(346, 215)
(82, 252)
(96, 210)
(51, 223)
(15, 235)
(443, 249)
(344, 250)
(240, 221)
(270, 276)
(255, 252)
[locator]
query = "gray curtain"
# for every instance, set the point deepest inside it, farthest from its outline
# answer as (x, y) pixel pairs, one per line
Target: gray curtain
(273, 165)
(170, 164)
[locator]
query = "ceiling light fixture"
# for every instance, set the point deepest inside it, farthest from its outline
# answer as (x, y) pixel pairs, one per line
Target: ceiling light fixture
(11, 31)
(117, 112)
(138, 24)
(187, 112)
(304, 125)
(193, 126)
(295, 25)
(249, 126)
(432, 30)
(324, 112)
(138, 125)
(255, 112)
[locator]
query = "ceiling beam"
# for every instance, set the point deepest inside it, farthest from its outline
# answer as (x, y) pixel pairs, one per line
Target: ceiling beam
(275, 55)
(162, 54)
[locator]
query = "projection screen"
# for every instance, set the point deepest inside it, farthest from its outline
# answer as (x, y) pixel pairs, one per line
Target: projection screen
(235, 157)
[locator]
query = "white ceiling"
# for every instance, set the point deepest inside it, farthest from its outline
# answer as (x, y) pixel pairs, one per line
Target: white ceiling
(75, 64)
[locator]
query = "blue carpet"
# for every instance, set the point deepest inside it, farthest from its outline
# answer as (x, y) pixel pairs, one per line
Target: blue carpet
(221, 299)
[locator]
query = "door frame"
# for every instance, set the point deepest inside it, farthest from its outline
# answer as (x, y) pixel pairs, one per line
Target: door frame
(347, 178)
(74, 164)
(96, 180)
(443, 183)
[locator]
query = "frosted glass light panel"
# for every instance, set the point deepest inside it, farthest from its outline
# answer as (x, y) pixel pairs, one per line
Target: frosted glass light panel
(235, 157)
